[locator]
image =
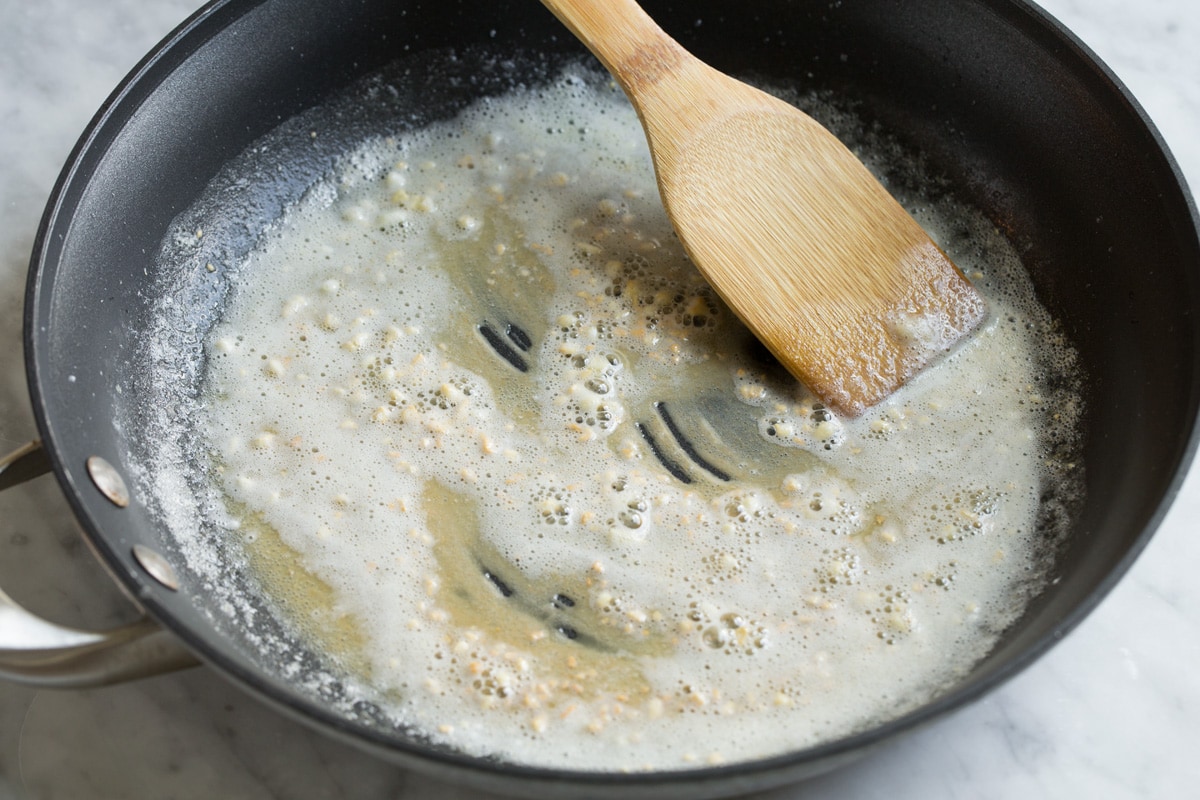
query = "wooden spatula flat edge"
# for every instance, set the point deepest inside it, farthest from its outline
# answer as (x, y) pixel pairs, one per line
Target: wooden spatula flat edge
(814, 255)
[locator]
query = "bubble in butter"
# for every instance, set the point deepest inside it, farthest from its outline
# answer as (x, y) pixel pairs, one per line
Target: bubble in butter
(506, 457)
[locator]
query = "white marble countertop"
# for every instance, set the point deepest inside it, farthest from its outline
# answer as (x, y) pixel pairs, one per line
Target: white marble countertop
(1112, 712)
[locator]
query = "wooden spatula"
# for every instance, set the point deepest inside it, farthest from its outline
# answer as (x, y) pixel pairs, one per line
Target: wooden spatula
(799, 239)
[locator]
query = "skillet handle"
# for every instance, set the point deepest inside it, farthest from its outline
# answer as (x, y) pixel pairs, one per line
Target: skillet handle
(43, 654)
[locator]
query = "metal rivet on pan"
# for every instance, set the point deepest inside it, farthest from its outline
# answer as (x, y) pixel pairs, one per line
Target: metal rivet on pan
(108, 481)
(156, 566)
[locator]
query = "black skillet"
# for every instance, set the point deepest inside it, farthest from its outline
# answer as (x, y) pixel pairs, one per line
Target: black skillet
(1017, 116)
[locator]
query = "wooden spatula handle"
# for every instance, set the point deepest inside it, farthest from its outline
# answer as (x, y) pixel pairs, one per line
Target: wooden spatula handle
(627, 41)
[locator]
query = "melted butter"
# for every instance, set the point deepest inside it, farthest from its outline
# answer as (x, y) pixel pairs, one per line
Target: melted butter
(570, 642)
(649, 547)
(501, 282)
(305, 597)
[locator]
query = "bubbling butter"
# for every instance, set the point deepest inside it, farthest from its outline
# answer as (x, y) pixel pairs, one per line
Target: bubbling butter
(545, 494)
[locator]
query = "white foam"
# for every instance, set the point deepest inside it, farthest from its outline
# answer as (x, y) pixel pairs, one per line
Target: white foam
(848, 570)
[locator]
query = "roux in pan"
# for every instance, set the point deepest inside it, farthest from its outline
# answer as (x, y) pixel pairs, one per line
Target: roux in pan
(501, 452)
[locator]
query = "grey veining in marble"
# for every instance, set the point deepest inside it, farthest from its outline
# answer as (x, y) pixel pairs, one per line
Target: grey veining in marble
(1111, 712)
